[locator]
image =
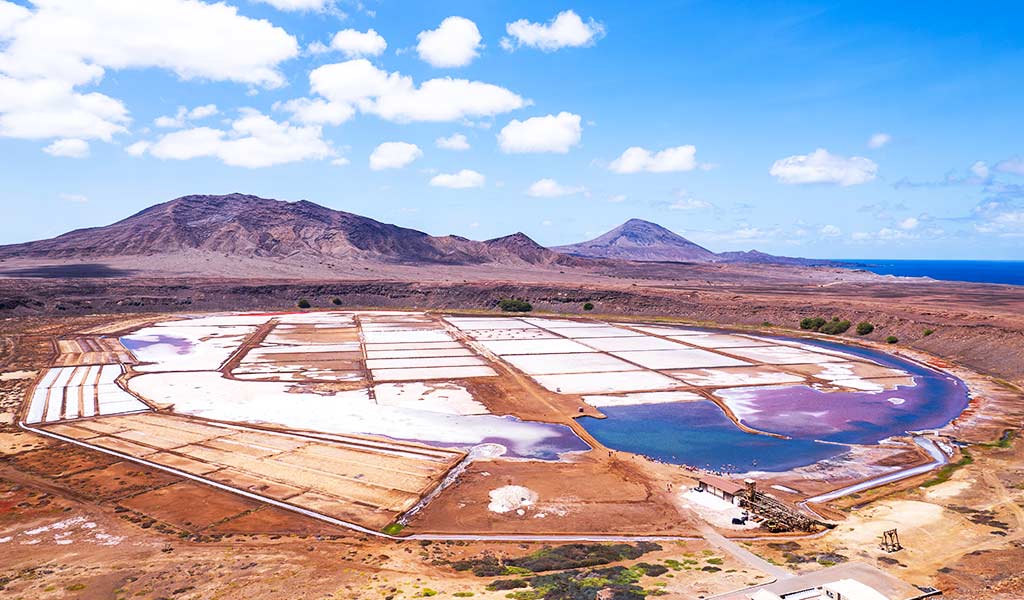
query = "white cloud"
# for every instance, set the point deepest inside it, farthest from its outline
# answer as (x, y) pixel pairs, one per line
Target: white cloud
(202, 112)
(822, 167)
(254, 140)
(10, 15)
(617, 198)
(551, 133)
(684, 201)
(341, 162)
(567, 29)
(455, 43)
(831, 231)
(395, 97)
(184, 115)
(77, 198)
(980, 169)
(878, 140)
(909, 223)
(455, 141)
(76, 40)
(316, 48)
(1013, 165)
(394, 155)
(637, 159)
(889, 234)
(464, 179)
(46, 108)
(317, 111)
(166, 122)
(70, 148)
(60, 44)
(299, 5)
(138, 148)
(549, 188)
(353, 43)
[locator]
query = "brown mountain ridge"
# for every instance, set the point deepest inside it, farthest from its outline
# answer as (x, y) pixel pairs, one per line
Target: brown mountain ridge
(254, 227)
(275, 233)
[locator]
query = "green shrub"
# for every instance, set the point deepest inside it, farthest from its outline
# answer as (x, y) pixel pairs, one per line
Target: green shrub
(588, 306)
(463, 594)
(835, 326)
(514, 305)
(767, 324)
(812, 323)
(651, 570)
(336, 301)
(864, 328)
(303, 303)
(928, 332)
(508, 584)
(427, 592)
(393, 529)
(943, 474)
(891, 339)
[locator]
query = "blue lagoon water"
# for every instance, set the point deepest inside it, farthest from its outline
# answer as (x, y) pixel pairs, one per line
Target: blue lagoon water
(818, 425)
(978, 271)
(699, 434)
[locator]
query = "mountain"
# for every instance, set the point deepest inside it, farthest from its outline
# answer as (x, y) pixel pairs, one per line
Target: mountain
(640, 240)
(755, 257)
(238, 225)
(643, 241)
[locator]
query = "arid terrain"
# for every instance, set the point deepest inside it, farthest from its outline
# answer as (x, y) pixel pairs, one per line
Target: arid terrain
(125, 474)
(84, 524)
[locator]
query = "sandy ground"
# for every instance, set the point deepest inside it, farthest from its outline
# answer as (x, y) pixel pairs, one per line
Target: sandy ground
(169, 548)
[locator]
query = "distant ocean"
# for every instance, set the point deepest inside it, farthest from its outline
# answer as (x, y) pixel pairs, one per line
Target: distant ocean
(980, 271)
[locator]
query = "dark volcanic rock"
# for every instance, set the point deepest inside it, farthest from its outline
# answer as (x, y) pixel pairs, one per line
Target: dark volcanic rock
(253, 227)
(640, 240)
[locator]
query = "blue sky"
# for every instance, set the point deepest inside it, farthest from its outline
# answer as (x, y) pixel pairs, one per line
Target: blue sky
(857, 129)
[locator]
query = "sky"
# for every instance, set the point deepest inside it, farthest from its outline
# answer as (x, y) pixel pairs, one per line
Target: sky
(854, 129)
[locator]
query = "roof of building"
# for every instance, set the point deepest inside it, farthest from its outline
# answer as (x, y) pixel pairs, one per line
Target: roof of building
(854, 590)
(726, 485)
(880, 583)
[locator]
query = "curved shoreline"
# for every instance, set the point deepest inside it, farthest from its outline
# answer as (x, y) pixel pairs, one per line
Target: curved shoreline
(916, 369)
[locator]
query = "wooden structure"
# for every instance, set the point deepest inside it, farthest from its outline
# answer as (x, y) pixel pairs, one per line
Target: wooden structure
(891, 541)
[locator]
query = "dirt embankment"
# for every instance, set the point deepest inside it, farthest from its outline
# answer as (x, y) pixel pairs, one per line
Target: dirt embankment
(980, 326)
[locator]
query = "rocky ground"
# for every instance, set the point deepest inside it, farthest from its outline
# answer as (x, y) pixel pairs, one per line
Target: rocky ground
(79, 527)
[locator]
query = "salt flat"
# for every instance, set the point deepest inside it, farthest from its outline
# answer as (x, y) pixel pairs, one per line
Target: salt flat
(604, 383)
(542, 364)
(643, 398)
(631, 343)
(555, 346)
(593, 332)
(784, 355)
(683, 358)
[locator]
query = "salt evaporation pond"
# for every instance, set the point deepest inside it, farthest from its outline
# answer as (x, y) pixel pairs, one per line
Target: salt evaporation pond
(140, 345)
(818, 423)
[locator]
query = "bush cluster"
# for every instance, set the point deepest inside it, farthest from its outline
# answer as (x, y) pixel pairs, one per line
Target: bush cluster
(812, 323)
(568, 556)
(303, 303)
(514, 305)
(588, 306)
(622, 582)
(833, 327)
(891, 339)
(864, 328)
